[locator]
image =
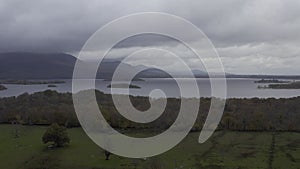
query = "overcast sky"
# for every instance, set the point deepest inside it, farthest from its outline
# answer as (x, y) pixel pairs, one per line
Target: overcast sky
(251, 37)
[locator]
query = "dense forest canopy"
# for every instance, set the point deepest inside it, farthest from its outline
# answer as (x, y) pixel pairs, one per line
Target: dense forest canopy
(44, 108)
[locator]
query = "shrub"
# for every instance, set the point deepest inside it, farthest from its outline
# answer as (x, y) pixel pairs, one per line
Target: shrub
(57, 135)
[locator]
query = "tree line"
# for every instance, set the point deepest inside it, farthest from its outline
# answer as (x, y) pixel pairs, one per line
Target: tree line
(254, 114)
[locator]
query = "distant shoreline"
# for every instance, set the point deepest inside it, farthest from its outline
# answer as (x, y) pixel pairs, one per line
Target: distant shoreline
(271, 81)
(232, 76)
(31, 82)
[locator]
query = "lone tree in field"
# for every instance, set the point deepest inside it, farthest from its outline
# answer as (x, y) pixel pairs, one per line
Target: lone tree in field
(107, 154)
(57, 135)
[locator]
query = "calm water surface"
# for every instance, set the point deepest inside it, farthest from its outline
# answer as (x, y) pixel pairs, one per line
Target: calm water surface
(236, 88)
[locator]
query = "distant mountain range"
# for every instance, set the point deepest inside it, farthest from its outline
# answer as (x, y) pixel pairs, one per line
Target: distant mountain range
(22, 65)
(19, 65)
(36, 65)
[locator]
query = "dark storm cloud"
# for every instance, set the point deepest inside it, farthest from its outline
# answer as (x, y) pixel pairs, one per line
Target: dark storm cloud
(66, 25)
(54, 25)
(252, 32)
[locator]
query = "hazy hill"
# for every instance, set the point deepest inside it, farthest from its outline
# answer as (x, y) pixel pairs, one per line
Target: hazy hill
(36, 65)
(19, 65)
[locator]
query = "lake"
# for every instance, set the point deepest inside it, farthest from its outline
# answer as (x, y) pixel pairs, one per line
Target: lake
(236, 88)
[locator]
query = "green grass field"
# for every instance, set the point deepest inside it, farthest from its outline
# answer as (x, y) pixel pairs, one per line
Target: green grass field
(228, 150)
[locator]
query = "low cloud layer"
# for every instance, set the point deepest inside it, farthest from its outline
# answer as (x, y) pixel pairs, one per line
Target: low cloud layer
(252, 37)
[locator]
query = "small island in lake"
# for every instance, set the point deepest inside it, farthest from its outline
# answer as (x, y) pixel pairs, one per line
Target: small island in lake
(123, 85)
(31, 82)
(271, 81)
(292, 85)
(134, 79)
(52, 85)
(2, 87)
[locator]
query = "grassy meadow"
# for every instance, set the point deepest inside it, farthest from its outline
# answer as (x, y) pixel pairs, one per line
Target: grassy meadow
(226, 149)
